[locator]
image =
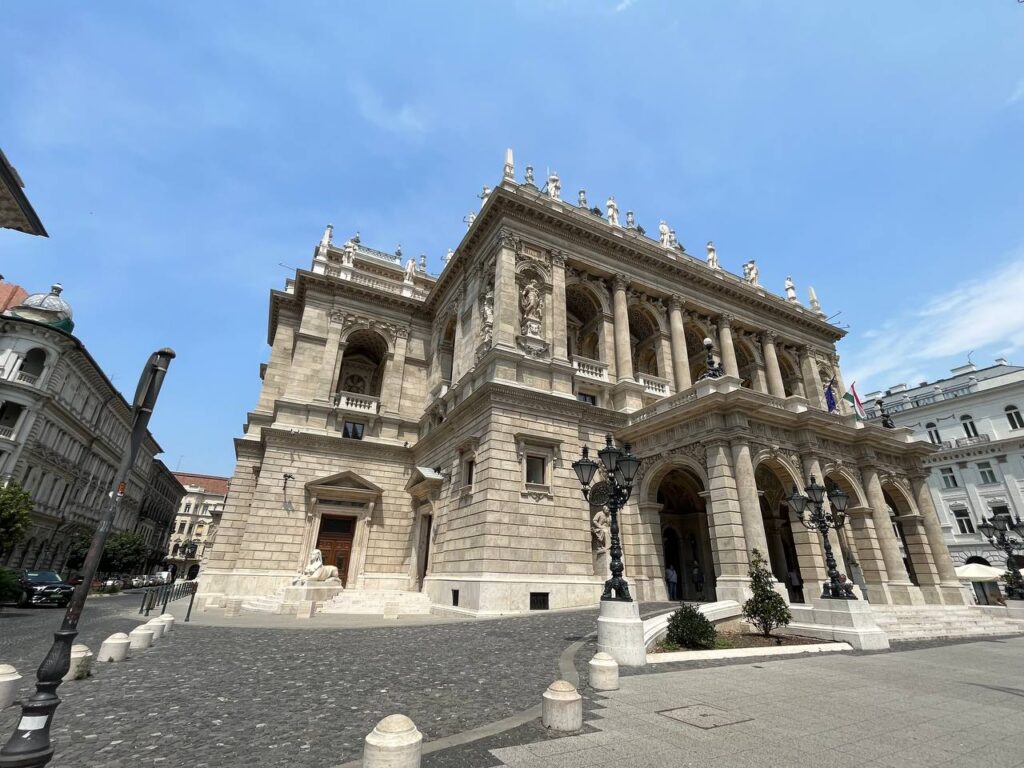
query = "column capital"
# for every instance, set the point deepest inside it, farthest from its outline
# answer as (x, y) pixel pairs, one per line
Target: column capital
(725, 319)
(675, 301)
(557, 258)
(620, 282)
(509, 239)
(769, 336)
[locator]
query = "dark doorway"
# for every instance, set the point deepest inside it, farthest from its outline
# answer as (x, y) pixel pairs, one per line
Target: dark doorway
(335, 543)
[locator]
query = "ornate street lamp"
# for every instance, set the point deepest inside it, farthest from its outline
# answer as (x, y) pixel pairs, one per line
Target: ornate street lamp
(996, 529)
(817, 519)
(713, 370)
(620, 467)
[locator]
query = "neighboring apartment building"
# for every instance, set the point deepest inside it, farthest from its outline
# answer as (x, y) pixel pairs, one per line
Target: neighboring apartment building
(63, 430)
(976, 420)
(419, 431)
(16, 212)
(195, 525)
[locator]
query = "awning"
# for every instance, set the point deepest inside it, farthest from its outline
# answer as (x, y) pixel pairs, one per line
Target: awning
(978, 572)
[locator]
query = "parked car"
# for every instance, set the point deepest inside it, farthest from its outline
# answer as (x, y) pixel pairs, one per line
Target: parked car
(153, 580)
(139, 581)
(43, 588)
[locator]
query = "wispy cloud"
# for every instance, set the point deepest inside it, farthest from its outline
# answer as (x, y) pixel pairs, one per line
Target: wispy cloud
(402, 119)
(983, 314)
(1017, 95)
(624, 5)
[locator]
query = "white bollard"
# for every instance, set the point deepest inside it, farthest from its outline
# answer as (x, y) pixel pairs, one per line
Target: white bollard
(604, 672)
(141, 638)
(393, 743)
(9, 683)
(562, 708)
(158, 627)
(167, 619)
(114, 648)
(81, 663)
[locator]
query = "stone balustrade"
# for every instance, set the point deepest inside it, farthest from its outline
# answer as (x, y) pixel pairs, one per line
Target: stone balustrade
(654, 385)
(590, 369)
(7, 432)
(26, 378)
(354, 402)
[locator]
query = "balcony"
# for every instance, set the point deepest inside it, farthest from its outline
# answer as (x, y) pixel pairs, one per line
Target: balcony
(594, 370)
(963, 442)
(653, 385)
(7, 432)
(26, 378)
(350, 401)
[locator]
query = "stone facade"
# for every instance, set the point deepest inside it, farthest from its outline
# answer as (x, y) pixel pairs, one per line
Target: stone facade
(196, 522)
(975, 418)
(63, 430)
(420, 431)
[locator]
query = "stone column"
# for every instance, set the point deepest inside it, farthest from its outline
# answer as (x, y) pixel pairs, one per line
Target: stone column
(812, 384)
(557, 325)
(394, 373)
(623, 356)
(329, 364)
(648, 554)
(949, 589)
(663, 350)
(680, 359)
(506, 293)
(725, 526)
(898, 584)
(459, 351)
(750, 501)
(771, 361)
(839, 388)
(725, 346)
(608, 345)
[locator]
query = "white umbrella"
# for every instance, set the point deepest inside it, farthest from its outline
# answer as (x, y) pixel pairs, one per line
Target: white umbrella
(978, 572)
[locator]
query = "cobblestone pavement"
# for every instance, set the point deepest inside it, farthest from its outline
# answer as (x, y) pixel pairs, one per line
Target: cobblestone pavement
(228, 696)
(950, 705)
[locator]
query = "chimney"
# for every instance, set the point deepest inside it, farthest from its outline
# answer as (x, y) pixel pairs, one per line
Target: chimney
(968, 368)
(1002, 361)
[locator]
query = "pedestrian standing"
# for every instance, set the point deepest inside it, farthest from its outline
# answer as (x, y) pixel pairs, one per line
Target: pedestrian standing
(672, 579)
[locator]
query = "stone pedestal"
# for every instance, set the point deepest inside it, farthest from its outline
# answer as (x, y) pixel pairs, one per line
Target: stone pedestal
(114, 648)
(232, 606)
(318, 592)
(10, 681)
(394, 742)
(81, 663)
(306, 610)
(167, 619)
(140, 638)
(849, 621)
(620, 633)
(157, 627)
(562, 707)
(603, 673)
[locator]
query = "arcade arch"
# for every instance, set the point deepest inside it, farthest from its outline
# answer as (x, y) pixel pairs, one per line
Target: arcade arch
(685, 538)
(584, 322)
(362, 364)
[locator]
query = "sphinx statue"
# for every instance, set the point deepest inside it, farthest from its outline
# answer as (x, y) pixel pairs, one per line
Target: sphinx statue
(317, 572)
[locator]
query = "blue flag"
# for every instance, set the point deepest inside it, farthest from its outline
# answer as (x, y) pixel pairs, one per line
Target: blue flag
(830, 396)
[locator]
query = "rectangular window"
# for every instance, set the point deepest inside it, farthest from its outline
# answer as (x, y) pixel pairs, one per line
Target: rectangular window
(467, 474)
(948, 477)
(353, 430)
(933, 435)
(539, 601)
(536, 467)
(963, 521)
(583, 397)
(988, 475)
(1000, 510)
(187, 510)
(455, 598)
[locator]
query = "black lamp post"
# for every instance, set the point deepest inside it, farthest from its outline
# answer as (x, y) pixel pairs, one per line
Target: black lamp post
(30, 745)
(713, 370)
(817, 519)
(996, 529)
(620, 466)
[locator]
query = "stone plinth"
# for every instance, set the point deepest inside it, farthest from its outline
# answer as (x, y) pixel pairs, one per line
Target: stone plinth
(603, 673)
(394, 742)
(318, 592)
(620, 633)
(850, 621)
(114, 648)
(140, 638)
(81, 663)
(10, 681)
(562, 707)
(232, 606)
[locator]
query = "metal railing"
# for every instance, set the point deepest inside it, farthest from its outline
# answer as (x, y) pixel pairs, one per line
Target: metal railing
(168, 593)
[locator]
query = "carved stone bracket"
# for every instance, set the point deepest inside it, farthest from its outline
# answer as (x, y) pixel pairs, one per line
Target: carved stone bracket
(534, 347)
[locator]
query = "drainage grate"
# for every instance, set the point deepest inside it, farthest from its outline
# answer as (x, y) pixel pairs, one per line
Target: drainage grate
(703, 716)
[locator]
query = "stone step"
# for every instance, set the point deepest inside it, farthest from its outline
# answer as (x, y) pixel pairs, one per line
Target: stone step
(378, 602)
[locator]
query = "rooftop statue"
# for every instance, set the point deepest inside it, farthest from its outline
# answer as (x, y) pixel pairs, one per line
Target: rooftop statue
(751, 272)
(529, 175)
(448, 256)
(582, 198)
(554, 186)
(469, 218)
(325, 241)
(712, 256)
(664, 234)
(510, 168)
(791, 290)
(613, 211)
(630, 220)
(410, 270)
(484, 194)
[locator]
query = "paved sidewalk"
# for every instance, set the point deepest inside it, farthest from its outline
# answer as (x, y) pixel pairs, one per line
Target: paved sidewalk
(955, 705)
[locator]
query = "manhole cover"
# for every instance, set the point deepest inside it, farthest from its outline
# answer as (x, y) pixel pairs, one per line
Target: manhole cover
(705, 717)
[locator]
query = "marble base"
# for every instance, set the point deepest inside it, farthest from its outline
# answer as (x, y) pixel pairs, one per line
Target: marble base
(849, 621)
(317, 592)
(620, 633)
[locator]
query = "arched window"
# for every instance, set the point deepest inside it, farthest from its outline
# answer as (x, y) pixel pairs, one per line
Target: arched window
(969, 429)
(933, 432)
(32, 366)
(1014, 417)
(174, 551)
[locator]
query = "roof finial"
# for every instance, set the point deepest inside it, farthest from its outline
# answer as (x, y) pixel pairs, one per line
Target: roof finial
(510, 168)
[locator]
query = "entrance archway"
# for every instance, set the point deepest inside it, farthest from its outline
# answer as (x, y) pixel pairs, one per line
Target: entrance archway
(686, 543)
(779, 528)
(899, 508)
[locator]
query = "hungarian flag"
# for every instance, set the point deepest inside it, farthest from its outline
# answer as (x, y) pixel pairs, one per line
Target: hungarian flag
(830, 396)
(854, 401)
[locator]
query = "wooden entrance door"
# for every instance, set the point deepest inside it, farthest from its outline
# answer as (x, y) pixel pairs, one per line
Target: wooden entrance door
(335, 543)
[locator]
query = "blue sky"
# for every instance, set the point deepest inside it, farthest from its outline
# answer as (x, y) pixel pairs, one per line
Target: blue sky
(179, 153)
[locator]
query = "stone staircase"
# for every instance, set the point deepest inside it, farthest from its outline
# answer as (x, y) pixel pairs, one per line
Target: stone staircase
(904, 623)
(378, 602)
(264, 603)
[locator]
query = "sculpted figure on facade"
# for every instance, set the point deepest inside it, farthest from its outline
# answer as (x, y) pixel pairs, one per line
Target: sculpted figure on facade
(790, 289)
(554, 186)
(316, 571)
(487, 314)
(630, 220)
(469, 218)
(325, 241)
(712, 256)
(530, 307)
(484, 194)
(664, 236)
(582, 198)
(750, 272)
(349, 253)
(613, 211)
(529, 175)
(600, 524)
(410, 270)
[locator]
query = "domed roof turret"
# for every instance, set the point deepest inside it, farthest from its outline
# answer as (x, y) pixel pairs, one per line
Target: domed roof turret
(48, 308)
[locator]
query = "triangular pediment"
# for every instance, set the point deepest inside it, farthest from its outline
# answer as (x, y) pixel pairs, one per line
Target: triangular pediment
(343, 485)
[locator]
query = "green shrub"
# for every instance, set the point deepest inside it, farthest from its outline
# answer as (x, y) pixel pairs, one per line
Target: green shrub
(10, 589)
(689, 628)
(766, 609)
